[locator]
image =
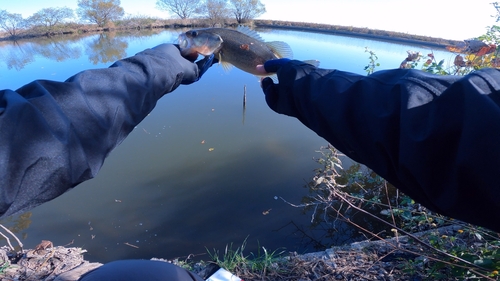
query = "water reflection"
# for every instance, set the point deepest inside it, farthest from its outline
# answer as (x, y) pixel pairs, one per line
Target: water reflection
(57, 50)
(100, 48)
(16, 56)
(18, 224)
(106, 47)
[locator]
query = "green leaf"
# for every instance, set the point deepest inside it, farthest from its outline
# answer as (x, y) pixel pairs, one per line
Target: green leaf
(484, 263)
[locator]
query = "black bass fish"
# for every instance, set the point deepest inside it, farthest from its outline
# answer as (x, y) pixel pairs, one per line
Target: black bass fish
(241, 47)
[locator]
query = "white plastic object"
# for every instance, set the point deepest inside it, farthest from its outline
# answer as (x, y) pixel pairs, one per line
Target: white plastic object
(223, 275)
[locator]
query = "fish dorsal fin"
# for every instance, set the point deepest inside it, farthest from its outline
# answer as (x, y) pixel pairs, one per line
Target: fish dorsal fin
(281, 49)
(247, 31)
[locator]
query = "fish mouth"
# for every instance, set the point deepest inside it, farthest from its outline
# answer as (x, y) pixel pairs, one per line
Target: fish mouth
(202, 43)
(183, 42)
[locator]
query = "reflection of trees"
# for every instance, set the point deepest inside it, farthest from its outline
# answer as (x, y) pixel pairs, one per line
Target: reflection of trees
(100, 48)
(58, 50)
(18, 223)
(145, 33)
(106, 48)
(16, 56)
(20, 53)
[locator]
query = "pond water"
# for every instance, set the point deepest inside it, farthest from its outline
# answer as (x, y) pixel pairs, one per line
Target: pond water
(200, 171)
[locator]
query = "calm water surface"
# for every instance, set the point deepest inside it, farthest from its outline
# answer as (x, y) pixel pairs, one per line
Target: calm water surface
(199, 171)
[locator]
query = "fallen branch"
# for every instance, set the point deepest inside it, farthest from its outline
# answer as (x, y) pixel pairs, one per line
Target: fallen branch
(8, 240)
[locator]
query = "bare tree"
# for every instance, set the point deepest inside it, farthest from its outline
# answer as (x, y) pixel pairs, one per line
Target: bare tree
(182, 8)
(216, 11)
(50, 17)
(11, 23)
(245, 10)
(100, 12)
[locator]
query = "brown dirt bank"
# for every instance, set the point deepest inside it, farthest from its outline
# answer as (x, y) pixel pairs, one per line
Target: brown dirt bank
(364, 32)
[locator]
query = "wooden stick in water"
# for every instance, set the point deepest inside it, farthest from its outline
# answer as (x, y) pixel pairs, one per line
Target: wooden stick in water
(244, 96)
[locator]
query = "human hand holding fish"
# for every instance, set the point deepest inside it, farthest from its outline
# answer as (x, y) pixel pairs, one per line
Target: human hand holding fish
(271, 66)
(281, 93)
(204, 64)
(191, 70)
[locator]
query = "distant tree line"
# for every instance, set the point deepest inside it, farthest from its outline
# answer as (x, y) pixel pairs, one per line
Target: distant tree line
(104, 12)
(214, 10)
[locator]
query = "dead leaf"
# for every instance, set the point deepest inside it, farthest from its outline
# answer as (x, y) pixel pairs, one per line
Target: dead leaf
(474, 46)
(44, 245)
(459, 61)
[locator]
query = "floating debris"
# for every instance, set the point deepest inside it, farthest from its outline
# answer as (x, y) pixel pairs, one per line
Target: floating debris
(133, 246)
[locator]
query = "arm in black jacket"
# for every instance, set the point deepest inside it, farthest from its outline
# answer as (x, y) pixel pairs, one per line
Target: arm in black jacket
(436, 138)
(55, 135)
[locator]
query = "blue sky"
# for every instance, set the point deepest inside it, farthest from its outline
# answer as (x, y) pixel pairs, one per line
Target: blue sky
(450, 19)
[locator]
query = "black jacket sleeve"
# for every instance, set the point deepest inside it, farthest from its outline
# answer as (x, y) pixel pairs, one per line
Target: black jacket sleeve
(55, 135)
(436, 138)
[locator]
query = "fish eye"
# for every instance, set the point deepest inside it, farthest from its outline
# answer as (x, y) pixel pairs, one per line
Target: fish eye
(194, 33)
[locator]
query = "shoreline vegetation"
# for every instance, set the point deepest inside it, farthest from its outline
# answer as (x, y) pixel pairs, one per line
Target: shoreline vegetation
(150, 23)
(363, 32)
